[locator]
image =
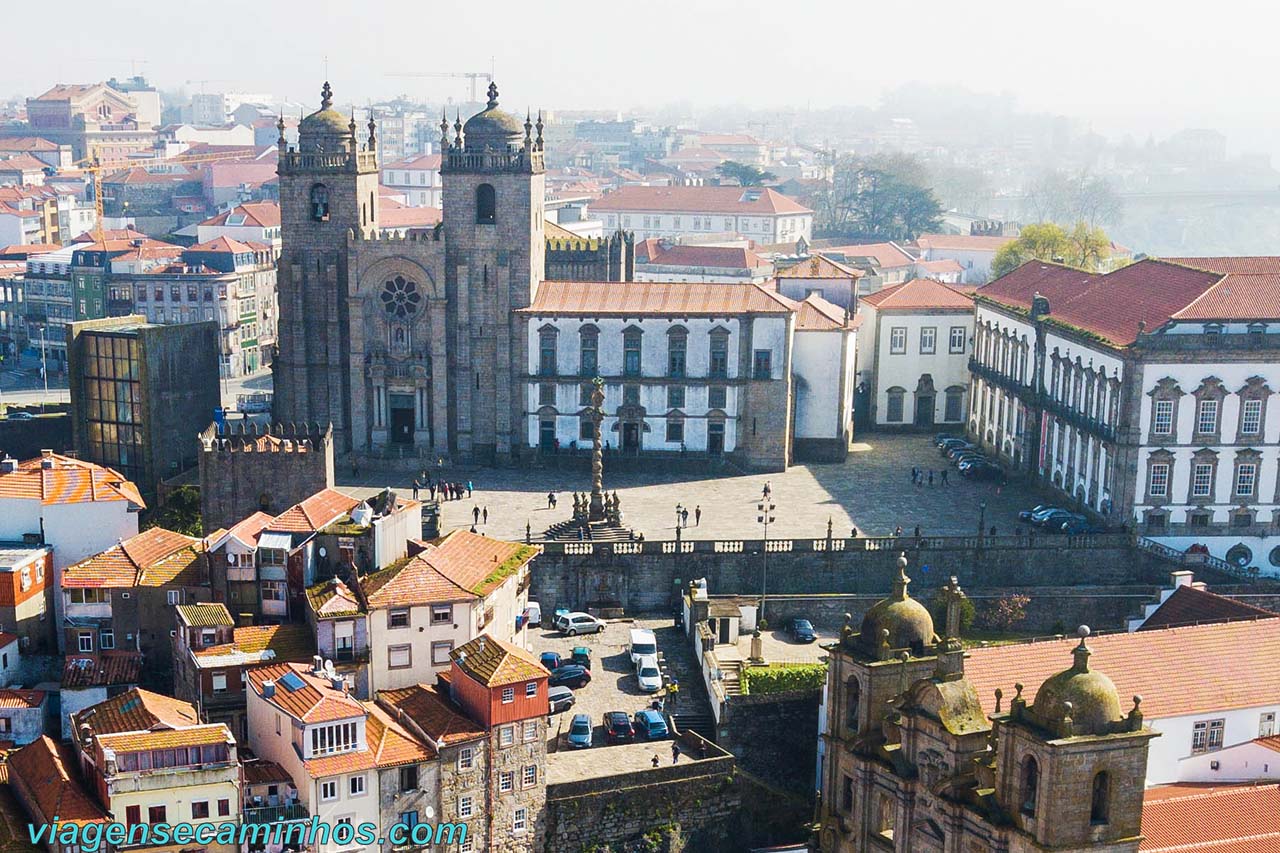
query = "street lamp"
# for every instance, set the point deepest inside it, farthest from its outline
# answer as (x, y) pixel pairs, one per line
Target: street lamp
(982, 518)
(765, 517)
(679, 514)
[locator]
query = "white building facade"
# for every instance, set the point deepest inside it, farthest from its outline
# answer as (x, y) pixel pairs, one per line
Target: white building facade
(757, 213)
(417, 179)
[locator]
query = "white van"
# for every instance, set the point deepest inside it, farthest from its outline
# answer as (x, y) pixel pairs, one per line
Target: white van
(533, 614)
(642, 643)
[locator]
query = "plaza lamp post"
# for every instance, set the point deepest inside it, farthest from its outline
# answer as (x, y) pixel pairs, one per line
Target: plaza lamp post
(766, 517)
(679, 513)
(982, 518)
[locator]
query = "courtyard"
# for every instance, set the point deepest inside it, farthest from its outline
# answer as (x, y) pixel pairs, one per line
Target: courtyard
(871, 490)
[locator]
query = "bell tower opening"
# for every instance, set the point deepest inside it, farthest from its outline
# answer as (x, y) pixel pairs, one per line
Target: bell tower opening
(486, 205)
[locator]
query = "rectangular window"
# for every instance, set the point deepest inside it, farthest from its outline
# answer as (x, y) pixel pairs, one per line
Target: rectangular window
(464, 806)
(174, 596)
(219, 680)
(675, 396)
(1158, 485)
(898, 340)
(1207, 417)
(531, 689)
(588, 355)
(408, 818)
(132, 815)
(631, 355)
(1201, 480)
(157, 814)
(586, 429)
(408, 779)
(356, 786)
(508, 695)
(520, 822)
(106, 639)
(85, 641)
(846, 793)
(506, 781)
(398, 618)
(506, 735)
(273, 590)
(547, 355)
(716, 397)
(719, 356)
(466, 758)
(893, 414)
(928, 340)
(224, 807)
(1206, 735)
(1251, 417)
(631, 395)
(546, 394)
(399, 657)
(1246, 478)
(441, 614)
(762, 364)
(200, 810)
(1162, 419)
(675, 431)
(329, 789)
(530, 775)
(531, 726)
(957, 340)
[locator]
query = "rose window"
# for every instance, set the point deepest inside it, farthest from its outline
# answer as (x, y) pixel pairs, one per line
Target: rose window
(400, 297)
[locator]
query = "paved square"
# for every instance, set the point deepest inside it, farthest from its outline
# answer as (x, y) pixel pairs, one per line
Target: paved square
(872, 490)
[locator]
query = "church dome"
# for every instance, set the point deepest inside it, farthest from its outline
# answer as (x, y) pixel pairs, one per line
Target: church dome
(491, 127)
(908, 621)
(325, 123)
(1087, 696)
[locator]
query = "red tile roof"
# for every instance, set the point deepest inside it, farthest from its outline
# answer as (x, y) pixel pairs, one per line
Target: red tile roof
(962, 242)
(262, 772)
(656, 297)
(731, 257)
(1237, 297)
(495, 663)
(946, 265)
(112, 234)
(49, 773)
(434, 713)
(26, 143)
(919, 294)
(1188, 605)
(1198, 683)
(137, 710)
(313, 513)
(390, 743)
(248, 530)
(818, 315)
(748, 201)
(1110, 305)
(255, 644)
(258, 214)
(197, 735)
(883, 255)
(332, 598)
(102, 670)
(1211, 819)
(23, 163)
(819, 266)
(423, 161)
(67, 481)
(462, 567)
(12, 697)
(402, 216)
(1242, 265)
(315, 701)
(155, 557)
(224, 244)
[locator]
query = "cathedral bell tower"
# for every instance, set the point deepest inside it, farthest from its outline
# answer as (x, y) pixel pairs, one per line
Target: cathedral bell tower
(328, 189)
(494, 191)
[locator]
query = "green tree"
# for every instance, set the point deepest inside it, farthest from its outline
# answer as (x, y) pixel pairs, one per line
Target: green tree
(884, 197)
(1085, 247)
(180, 513)
(745, 174)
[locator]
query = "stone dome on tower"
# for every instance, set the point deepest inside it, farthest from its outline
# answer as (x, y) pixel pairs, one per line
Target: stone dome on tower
(1086, 696)
(906, 620)
(325, 128)
(492, 127)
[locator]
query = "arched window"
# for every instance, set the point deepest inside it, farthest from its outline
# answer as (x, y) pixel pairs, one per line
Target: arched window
(852, 697)
(1030, 785)
(486, 205)
(320, 203)
(1100, 804)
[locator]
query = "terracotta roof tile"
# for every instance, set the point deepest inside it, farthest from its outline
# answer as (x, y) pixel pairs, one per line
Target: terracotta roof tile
(248, 530)
(155, 557)
(818, 315)
(946, 265)
(390, 743)
(408, 217)
(332, 598)
(493, 662)
(262, 772)
(205, 615)
(1211, 819)
(819, 266)
(67, 481)
(49, 772)
(963, 242)
(257, 214)
(102, 670)
(1188, 605)
(191, 736)
(437, 716)
(1110, 305)
(680, 255)
(423, 161)
(748, 201)
(1272, 743)
(919, 293)
(1198, 683)
(223, 244)
(1241, 265)
(255, 644)
(313, 513)
(656, 297)
(22, 162)
(313, 699)
(1237, 297)
(12, 697)
(461, 567)
(137, 710)
(883, 255)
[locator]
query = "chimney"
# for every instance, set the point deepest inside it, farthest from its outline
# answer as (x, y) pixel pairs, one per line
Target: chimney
(317, 665)
(268, 689)
(8, 465)
(86, 735)
(1182, 578)
(337, 682)
(46, 459)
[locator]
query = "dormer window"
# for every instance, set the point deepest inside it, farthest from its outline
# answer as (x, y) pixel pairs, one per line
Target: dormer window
(1258, 329)
(1213, 329)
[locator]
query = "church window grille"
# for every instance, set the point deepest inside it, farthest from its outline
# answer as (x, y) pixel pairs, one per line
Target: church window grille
(401, 298)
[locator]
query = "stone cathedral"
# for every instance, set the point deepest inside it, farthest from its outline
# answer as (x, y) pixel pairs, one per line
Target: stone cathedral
(409, 341)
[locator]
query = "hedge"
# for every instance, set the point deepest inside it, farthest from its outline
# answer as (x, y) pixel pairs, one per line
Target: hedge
(783, 678)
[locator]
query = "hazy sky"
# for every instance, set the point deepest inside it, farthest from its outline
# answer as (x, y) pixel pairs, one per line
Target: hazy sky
(1133, 66)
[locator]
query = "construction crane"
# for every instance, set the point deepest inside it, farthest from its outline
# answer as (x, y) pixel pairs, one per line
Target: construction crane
(95, 167)
(473, 76)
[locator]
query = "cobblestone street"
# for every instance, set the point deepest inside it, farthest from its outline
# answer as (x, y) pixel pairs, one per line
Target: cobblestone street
(872, 490)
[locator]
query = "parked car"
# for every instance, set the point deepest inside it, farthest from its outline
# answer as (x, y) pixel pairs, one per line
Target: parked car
(574, 624)
(648, 674)
(20, 416)
(1080, 524)
(801, 630)
(1051, 518)
(650, 725)
(642, 643)
(533, 614)
(551, 660)
(580, 731)
(570, 675)
(983, 471)
(968, 450)
(561, 698)
(953, 444)
(959, 461)
(943, 437)
(617, 728)
(1027, 514)
(581, 656)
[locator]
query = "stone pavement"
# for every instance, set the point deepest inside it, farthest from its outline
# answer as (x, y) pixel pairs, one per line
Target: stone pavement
(872, 490)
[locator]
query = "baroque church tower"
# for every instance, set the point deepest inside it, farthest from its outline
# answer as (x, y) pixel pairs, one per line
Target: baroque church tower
(409, 341)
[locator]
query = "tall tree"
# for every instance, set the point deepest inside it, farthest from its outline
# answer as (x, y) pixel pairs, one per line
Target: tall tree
(878, 198)
(745, 174)
(1084, 246)
(1068, 197)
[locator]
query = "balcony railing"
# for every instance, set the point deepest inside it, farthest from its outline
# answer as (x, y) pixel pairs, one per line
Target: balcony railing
(1030, 397)
(276, 814)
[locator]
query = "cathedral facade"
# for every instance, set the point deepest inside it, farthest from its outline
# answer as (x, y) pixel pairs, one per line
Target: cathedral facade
(410, 342)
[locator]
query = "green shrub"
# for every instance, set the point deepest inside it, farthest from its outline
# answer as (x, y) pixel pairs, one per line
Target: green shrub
(783, 678)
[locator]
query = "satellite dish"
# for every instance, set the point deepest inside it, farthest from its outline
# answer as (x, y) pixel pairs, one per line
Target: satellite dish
(323, 551)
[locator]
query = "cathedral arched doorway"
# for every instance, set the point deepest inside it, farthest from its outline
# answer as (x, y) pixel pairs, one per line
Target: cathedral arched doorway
(403, 422)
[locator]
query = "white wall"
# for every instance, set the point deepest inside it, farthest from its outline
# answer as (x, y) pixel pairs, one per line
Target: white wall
(1246, 762)
(786, 228)
(1165, 756)
(903, 370)
(821, 411)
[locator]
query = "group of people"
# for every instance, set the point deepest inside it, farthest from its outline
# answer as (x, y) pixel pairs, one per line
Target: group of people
(448, 491)
(918, 476)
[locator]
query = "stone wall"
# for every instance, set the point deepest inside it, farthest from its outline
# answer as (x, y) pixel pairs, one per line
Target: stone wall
(698, 798)
(25, 439)
(773, 736)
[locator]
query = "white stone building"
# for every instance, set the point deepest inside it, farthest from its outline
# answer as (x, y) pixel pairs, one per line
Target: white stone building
(757, 213)
(913, 362)
(417, 179)
(687, 368)
(660, 260)
(974, 253)
(1143, 394)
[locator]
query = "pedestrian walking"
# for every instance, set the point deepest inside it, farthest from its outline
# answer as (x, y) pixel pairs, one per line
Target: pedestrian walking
(656, 761)
(468, 488)
(993, 530)
(897, 531)
(697, 515)
(917, 531)
(355, 467)
(684, 517)
(944, 476)
(914, 473)
(416, 486)
(930, 478)
(484, 513)
(550, 500)
(432, 487)
(675, 752)
(475, 516)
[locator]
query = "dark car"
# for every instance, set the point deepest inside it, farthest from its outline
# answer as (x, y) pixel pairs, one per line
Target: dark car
(983, 471)
(551, 660)
(650, 725)
(1052, 518)
(959, 461)
(942, 437)
(617, 728)
(951, 444)
(581, 656)
(801, 630)
(1027, 514)
(962, 450)
(570, 675)
(21, 416)
(1080, 524)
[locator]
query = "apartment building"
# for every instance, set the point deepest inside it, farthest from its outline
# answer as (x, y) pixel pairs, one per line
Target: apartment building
(756, 213)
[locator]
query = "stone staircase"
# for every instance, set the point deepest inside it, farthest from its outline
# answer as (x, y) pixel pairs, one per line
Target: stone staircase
(732, 680)
(701, 722)
(570, 531)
